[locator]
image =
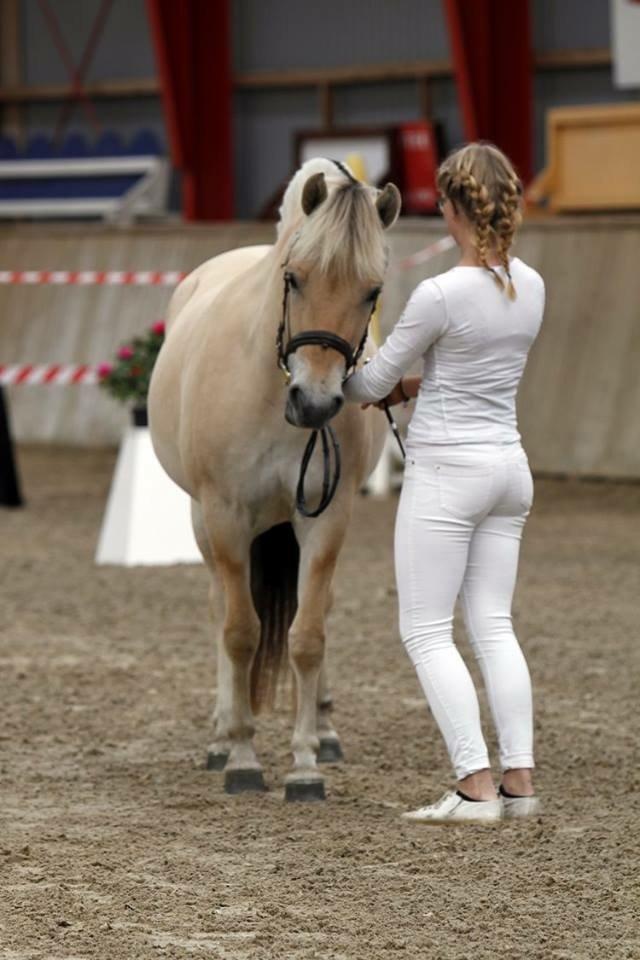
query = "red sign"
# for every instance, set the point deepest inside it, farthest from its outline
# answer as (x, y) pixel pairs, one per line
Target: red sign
(419, 159)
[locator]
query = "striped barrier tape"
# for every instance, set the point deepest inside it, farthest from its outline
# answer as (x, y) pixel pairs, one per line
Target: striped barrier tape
(91, 278)
(426, 254)
(162, 278)
(50, 373)
(60, 374)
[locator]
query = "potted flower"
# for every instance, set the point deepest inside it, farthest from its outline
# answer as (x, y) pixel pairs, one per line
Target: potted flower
(127, 379)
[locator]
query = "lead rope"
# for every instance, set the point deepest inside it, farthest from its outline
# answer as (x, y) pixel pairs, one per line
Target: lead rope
(329, 484)
(394, 429)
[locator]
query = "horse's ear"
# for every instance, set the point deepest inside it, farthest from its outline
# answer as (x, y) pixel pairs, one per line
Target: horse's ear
(388, 203)
(314, 193)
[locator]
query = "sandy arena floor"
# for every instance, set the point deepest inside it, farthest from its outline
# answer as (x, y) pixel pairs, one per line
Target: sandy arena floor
(117, 844)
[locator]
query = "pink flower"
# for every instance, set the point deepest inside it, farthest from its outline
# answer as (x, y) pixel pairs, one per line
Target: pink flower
(125, 353)
(104, 369)
(158, 328)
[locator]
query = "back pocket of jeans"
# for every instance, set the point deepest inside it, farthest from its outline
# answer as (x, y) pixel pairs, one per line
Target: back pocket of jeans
(464, 492)
(526, 486)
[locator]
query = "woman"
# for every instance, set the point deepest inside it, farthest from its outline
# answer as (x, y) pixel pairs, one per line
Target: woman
(467, 489)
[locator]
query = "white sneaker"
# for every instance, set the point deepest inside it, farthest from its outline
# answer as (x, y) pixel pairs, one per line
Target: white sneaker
(452, 808)
(513, 807)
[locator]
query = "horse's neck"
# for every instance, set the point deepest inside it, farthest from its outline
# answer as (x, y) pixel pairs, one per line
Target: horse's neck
(261, 293)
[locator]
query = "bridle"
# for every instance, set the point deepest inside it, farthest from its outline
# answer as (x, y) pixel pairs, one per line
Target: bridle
(286, 345)
(320, 338)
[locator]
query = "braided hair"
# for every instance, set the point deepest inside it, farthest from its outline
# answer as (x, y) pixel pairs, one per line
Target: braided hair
(483, 183)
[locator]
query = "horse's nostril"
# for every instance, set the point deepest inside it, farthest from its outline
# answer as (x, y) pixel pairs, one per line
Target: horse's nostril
(294, 394)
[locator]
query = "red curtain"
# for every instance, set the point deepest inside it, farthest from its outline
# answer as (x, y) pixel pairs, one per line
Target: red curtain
(192, 40)
(491, 48)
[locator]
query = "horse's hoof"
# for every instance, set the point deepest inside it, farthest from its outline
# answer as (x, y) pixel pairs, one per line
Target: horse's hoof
(216, 761)
(244, 781)
(330, 751)
(305, 791)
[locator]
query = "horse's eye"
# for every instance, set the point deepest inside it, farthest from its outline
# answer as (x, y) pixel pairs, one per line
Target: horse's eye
(292, 281)
(373, 296)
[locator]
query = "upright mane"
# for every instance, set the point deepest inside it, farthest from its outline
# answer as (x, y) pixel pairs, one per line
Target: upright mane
(343, 236)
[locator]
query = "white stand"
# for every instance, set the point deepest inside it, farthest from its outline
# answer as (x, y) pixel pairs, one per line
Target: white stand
(385, 476)
(148, 517)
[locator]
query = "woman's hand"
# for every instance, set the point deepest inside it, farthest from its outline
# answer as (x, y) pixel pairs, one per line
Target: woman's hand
(397, 395)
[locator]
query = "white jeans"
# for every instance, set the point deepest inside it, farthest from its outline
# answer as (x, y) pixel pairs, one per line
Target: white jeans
(458, 531)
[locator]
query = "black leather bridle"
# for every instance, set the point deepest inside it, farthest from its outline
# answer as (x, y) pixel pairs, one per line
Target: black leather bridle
(320, 338)
(285, 346)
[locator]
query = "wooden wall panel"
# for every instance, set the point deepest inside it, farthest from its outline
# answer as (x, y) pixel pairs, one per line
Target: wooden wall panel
(580, 399)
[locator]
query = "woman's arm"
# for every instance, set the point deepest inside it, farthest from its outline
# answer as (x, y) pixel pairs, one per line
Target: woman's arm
(411, 387)
(424, 319)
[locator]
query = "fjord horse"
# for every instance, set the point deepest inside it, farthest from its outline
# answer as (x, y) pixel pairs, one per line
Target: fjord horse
(230, 413)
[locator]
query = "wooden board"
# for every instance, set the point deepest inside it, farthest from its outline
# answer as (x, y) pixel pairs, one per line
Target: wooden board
(593, 157)
(579, 405)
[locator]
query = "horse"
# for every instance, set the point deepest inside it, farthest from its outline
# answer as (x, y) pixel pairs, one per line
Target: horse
(232, 398)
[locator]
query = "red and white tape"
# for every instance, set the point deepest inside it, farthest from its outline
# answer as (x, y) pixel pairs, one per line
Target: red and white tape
(426, 254)
(91, 278)
(161, 278)
(50, 373)
(61, 374)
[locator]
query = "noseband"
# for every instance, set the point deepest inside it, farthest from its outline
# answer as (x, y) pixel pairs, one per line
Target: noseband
(287, 345)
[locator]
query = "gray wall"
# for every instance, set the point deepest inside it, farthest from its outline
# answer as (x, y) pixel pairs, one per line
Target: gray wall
(289, 34)
(567, 25)
(123, 53)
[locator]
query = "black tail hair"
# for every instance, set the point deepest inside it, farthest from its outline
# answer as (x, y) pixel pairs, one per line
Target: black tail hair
(275, 559)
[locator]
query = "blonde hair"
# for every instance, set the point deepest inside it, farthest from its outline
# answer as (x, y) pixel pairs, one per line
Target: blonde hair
(481, 180)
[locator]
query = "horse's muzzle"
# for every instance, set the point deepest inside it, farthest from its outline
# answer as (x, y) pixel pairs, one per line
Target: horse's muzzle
(302, 411)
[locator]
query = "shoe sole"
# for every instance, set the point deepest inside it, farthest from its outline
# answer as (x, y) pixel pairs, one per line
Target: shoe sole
(509, 813)
(459, 822)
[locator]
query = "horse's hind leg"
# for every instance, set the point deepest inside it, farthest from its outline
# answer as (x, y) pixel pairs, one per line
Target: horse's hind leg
(234, 727)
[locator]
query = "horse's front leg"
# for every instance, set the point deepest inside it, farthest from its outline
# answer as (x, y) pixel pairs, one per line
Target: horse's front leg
(329, 750)
(220, 747)
(320, 541)
(234, 724)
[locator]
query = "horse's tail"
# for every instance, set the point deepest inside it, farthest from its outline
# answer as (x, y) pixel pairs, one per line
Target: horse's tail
(275, 557)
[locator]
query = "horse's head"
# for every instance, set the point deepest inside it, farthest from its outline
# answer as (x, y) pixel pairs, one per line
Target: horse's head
(332, 277)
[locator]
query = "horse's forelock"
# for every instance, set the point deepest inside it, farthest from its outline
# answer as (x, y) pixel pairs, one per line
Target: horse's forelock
(344, 235)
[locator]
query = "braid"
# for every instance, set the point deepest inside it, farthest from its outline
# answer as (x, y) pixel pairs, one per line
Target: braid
(482, 181)
(480, 209)
(506, 220)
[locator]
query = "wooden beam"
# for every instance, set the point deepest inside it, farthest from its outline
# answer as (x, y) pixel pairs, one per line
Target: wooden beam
(109, 89)
(424, 93)
(420, 70)
(593, 58)
(325, 95)
(415, 70)
(343, 76)
(11, 63)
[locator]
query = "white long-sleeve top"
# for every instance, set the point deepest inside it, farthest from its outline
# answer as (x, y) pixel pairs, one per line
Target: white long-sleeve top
(474, 342)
